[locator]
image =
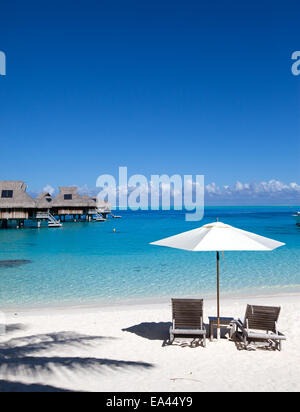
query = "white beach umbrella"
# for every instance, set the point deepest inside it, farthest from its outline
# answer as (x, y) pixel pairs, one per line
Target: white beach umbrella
(219, 237)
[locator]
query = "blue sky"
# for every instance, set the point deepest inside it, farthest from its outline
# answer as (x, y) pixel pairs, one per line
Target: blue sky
(188, 87)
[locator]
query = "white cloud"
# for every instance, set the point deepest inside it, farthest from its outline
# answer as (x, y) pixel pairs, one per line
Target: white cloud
(264, 192)
(239, 186)
(212, 188)
(270, 189)
(295, 187)
(49, 189)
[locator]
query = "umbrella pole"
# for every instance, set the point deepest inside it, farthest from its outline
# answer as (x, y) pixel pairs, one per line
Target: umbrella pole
(218, 296)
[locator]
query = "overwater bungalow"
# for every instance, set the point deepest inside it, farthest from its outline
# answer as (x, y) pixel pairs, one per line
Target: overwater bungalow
(44, 201)
(44, 210)
(15, 203)
(103, 207)
(70, 203)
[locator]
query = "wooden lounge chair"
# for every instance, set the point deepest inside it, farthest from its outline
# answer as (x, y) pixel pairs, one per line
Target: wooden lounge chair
(257, 319)
(187, 315)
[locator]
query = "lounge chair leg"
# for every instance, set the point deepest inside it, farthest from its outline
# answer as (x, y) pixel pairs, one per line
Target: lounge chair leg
(204, 341)
(232, 331)
(172, 337)
(279, 346)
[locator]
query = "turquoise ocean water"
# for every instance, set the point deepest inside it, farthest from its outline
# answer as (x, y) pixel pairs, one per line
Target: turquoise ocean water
(87, 263)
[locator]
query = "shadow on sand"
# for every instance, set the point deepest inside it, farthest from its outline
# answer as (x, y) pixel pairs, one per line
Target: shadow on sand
(161, 331)
(14, 327)
(22, 357)
(18, 387)
(151, 330)
(258, 345)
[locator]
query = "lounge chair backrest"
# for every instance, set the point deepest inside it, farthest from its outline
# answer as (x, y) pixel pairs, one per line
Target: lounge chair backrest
(262, 317)
(187, 313)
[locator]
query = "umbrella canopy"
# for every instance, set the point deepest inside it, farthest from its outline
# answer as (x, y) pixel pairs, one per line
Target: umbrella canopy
(218, 237)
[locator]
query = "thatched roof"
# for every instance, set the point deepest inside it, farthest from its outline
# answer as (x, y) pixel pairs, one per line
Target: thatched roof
(44, 201)
(19, 198)
(69, 197)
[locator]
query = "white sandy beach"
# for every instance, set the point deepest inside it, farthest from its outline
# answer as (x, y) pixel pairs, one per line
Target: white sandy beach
(87, 349)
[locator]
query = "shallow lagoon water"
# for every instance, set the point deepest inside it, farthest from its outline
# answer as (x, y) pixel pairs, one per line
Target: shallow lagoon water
(87, 263)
